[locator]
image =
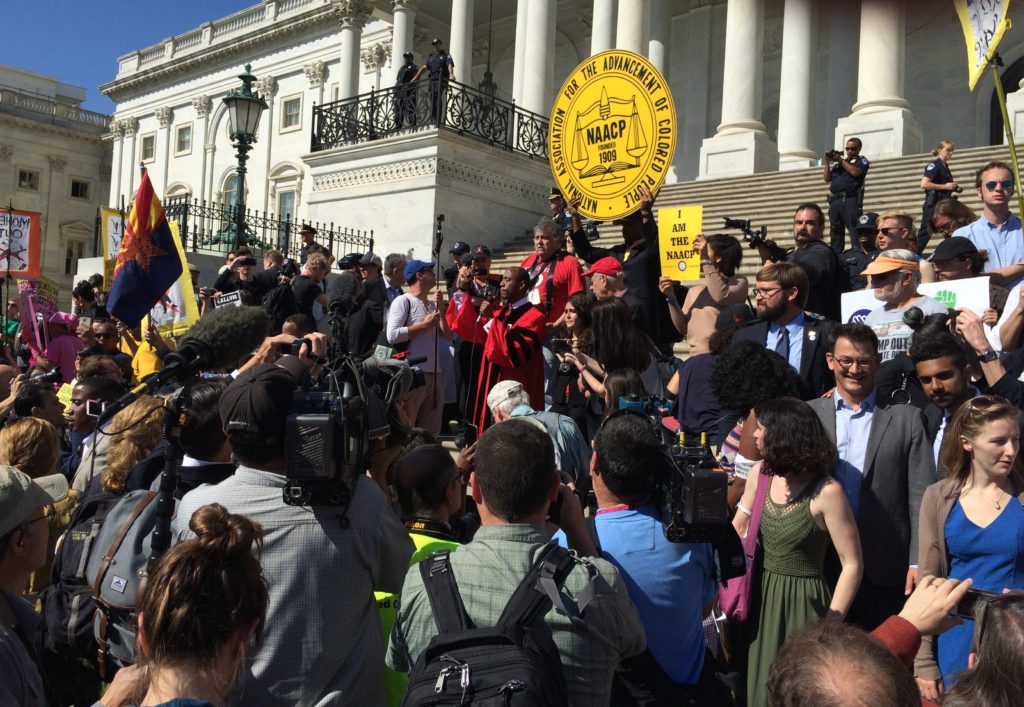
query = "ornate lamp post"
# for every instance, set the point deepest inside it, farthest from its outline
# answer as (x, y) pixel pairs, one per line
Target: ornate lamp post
(244, 110)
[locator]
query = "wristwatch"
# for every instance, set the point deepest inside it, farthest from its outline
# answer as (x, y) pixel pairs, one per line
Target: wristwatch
(988, 356)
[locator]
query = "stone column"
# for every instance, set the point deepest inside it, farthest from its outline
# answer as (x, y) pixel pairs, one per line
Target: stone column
(633, 27)
(164, 116)
(201, 105)
(881, 116)
(267, 87)
(401, 30)
(795, 86)
(539, 62)
(130, 126)
(602, 35)
(461, 42)
(522, 9)
(353, 15)
(117, 133)
(661, 30)
(741, 145)
(1015, 109)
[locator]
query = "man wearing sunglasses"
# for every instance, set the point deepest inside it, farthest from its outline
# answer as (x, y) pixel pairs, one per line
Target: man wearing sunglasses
(998, 231)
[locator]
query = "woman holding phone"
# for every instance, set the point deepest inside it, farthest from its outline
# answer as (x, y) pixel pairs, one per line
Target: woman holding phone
(972, 524)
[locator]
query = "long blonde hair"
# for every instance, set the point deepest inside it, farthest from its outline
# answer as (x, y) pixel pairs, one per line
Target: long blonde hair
(134, 432)
(968, 422)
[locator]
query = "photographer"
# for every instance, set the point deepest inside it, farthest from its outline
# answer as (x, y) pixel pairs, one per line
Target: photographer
(323, 641)
(672, 584)
(845, 177)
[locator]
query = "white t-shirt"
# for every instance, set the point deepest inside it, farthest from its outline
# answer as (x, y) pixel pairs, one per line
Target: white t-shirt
(893, 335)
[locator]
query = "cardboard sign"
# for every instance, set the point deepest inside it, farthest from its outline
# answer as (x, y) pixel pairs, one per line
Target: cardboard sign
(20, 242)
(231, 299)
(64, 395)
(677, 227)
(971, 293)
(112, 227)
(612, 130)
(37, 300)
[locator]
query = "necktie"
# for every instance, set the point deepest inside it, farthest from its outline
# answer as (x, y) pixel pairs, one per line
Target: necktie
(782, 345)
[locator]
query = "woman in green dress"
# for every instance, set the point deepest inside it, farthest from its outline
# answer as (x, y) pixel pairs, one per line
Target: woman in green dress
(803, 508)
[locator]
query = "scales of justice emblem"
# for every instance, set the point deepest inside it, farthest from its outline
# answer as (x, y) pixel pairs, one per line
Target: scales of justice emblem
(612, 130)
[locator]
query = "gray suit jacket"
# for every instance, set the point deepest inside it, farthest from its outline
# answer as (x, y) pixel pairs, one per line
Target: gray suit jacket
(93, 463)
(898, 467)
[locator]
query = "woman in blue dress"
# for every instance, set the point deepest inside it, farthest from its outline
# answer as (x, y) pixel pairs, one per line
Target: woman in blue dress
(972, 524)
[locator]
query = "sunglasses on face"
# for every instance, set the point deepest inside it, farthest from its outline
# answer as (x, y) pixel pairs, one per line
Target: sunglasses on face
(1006, 184)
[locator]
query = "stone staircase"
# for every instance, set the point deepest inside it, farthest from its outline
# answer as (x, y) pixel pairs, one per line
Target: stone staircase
(771, 199)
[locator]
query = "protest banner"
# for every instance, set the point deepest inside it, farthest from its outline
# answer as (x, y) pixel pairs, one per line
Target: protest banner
(231, 299)
(20, 242)
(612, 130)
(984, 22)
(677, 227)
(177, 310)
(37, 300)
(971, 293)
(112, 231)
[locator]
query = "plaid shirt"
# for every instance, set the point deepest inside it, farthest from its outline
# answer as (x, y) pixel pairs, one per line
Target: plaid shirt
(488, 570)
(322, 642)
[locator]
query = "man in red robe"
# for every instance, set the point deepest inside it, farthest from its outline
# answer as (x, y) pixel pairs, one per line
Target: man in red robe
(512, 334)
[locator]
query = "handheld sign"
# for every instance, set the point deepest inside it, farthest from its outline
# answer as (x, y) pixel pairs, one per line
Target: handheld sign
(612, 129)
(677, 227)
(231, 299)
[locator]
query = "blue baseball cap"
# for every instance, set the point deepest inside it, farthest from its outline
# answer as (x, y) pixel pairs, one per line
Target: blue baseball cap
(414, 266)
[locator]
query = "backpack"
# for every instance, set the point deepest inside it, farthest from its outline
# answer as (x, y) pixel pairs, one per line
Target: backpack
(115, 570)
(280, 303)
(68, 604)
(572, 452)
(514, 662)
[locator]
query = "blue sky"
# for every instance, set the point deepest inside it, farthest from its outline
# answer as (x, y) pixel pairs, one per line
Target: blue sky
(83, 38)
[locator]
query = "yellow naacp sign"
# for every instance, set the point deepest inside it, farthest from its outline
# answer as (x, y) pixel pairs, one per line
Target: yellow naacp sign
(612, 129)
(677, 227)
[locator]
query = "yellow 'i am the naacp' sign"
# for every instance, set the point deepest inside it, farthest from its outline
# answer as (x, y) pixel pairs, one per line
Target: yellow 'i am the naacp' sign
(677, 227)
(612, 129)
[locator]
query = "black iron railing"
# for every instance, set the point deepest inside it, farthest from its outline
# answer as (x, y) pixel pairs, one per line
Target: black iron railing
(449, 105)
(209, 227)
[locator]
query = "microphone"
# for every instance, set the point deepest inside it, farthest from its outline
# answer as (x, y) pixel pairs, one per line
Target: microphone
(341, 293)
(219, 340)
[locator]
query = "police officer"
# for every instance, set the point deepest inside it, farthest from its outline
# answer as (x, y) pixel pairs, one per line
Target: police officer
(938, 184)
(559, 212)
(862, 252)
(405, 93)
(451, 272)
(845, 177)
(441, 69)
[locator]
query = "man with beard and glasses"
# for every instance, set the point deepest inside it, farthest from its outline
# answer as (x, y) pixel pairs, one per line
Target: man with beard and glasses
(783, 326)
(826, 276)
(895, 275)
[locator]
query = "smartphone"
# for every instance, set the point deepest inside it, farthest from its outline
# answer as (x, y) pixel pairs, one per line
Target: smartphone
(87, 321)
(972, 602)
(94, 408)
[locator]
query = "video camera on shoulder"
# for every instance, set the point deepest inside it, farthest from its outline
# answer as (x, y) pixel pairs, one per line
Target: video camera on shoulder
(752, 237)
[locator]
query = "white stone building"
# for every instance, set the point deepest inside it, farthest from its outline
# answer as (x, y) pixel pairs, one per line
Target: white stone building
(53, 160)
(760, 85)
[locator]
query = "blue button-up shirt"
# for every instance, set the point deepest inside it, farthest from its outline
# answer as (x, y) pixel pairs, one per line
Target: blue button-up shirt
(852, 430)
(1005, 243)
(796, 339)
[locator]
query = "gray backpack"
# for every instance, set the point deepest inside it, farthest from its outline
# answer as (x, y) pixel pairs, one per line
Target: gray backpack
(115, 571)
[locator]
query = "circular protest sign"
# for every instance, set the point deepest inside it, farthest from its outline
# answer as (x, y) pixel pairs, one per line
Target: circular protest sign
(612, 129)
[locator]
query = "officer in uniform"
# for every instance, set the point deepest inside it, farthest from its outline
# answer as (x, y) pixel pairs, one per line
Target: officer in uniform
(938, 184)
(845, 177)
(451, 272)
(405, 93)
(441, 69)
(862, 252)
(560, 212)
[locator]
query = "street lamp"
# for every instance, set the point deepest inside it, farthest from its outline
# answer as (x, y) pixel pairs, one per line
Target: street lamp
(244, 110)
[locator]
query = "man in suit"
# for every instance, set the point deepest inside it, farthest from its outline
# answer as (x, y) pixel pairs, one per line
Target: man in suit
(941, 367)
(783, 326)
(885, 464)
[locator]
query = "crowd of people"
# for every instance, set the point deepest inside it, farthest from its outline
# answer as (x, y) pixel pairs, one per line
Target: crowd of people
(515, 504)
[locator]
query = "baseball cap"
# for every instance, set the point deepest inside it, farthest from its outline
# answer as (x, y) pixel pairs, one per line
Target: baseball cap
(605, 266)
(954, 247)
(306, 228)
(414, 266)
(732, 315)
(503, 390)
(868, 221)
(481, 251)
(555, 194)
(258, 401)
(883, 264)
(632, 217)
(460, 247)
(349, 261)
(371, 259)
(435, 40)
(20, 495)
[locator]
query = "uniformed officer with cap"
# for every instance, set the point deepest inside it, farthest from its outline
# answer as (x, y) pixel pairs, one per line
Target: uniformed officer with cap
(405, 93)
(451, 272)
(559, 212)
(442, 70)
(862, 252)
(845, 177)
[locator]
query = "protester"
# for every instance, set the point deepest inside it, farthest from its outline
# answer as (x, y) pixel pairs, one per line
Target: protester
(64, 345)
(972, 523)
(134, 432)
(998, 380)
(513, 484)
(720, 257)
(394, 273)
(997, 230)
(949, 215)
(99, 390)
(803, 509)
(895, 276)
(957, 258)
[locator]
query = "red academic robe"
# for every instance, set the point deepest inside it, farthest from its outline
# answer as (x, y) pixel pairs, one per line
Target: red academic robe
(512, 350)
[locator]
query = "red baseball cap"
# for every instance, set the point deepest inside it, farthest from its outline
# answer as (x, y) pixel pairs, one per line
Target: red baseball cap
(605, 266)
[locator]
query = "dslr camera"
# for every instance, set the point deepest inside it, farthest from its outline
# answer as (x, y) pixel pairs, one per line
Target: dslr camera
(752, 237)
(835, 155)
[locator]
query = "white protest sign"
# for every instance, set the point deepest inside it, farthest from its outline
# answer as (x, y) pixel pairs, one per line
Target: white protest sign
(971, 293)
(231, 299)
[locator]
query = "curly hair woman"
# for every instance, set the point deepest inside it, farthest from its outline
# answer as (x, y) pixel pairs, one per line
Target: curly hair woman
(134, 432)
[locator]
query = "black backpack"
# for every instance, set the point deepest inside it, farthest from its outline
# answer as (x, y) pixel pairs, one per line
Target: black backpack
(280, 303)
(514, 662)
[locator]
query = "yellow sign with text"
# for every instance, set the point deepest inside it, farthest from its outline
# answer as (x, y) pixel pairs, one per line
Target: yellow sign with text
(612, 129)
(677, 227)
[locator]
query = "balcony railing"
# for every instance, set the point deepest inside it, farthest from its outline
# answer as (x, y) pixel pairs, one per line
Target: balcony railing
(450, 105)
(45, 108)
(209, 227)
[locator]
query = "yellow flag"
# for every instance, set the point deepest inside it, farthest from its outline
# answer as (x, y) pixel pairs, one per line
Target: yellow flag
(984, 24)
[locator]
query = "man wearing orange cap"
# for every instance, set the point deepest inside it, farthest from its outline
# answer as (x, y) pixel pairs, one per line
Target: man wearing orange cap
(895, 275)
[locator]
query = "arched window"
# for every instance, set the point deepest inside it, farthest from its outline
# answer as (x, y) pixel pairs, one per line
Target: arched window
(230, 191)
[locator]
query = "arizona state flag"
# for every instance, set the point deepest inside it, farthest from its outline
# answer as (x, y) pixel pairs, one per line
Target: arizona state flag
(148, 262)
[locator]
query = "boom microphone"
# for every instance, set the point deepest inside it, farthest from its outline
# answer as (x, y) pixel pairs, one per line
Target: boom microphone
(221, 339)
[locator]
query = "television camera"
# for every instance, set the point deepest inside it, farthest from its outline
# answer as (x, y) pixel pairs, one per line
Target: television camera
(752, 237)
